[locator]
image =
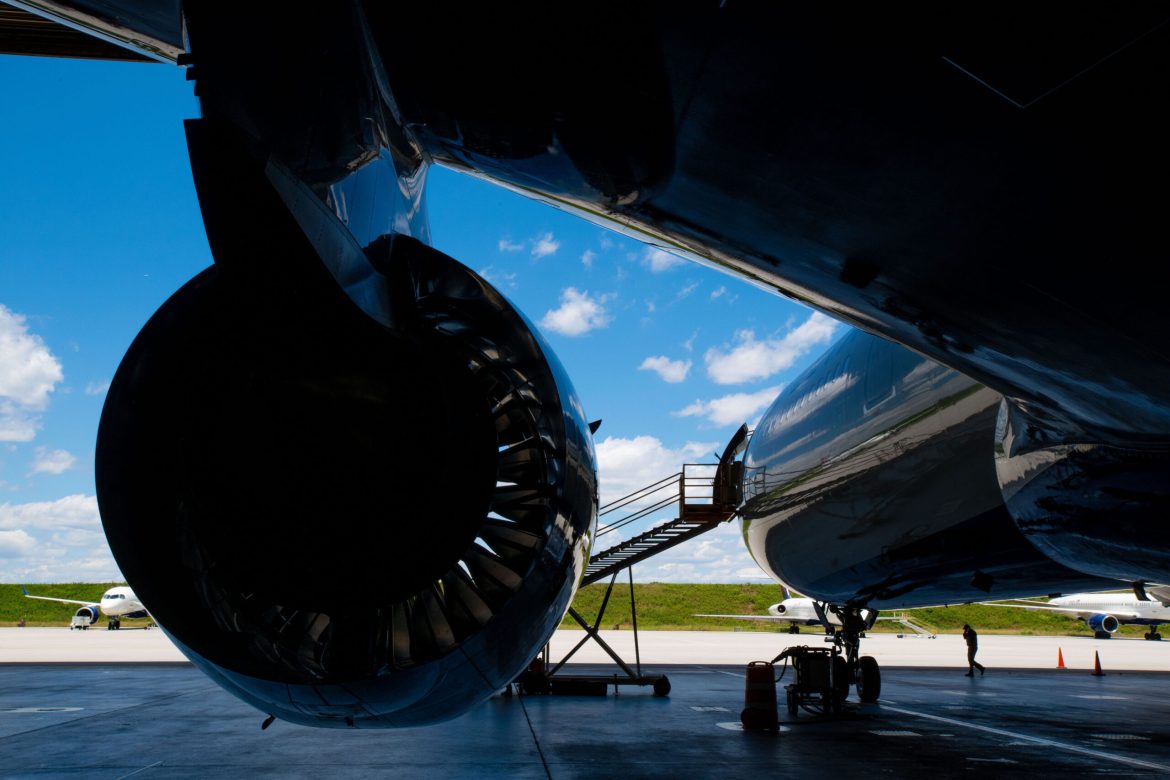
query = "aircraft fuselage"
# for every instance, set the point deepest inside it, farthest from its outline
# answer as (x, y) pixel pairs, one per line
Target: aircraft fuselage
(871, 482)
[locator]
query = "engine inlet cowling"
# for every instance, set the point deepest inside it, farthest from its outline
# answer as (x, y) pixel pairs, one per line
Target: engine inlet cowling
(1106, 624)
(345, 523)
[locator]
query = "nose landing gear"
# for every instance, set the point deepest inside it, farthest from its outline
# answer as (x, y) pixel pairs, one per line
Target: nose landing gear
(847, 630)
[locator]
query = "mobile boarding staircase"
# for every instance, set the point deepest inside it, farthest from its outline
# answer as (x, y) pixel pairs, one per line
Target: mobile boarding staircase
(706, 495)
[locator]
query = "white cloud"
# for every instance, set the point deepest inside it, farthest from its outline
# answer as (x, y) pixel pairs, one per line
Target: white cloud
(606, 244)
(72, 512)
(578, 313)
(672, 371)
(723, 295)
(505, 245)
(28, 374)
(587, 258)
(14, 544)
(658, 260)
(753, 359)
(100, 388)
(686, 290)
(689, 344)
(545, 245)
(626, 465)
(55, 541)
(734, 408)
(753, 572)
(16, 424)
(52, 461)
(53, 563)
(28, 370)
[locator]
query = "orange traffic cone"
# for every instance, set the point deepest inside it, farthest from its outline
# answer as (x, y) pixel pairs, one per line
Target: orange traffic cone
(1060, 659)
(1097, 665)
(759, 700)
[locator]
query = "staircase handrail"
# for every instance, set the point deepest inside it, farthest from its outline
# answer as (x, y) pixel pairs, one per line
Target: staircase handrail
(653, 487)
(640, 514)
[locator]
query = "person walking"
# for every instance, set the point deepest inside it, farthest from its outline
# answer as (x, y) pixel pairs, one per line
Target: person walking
(972, 639)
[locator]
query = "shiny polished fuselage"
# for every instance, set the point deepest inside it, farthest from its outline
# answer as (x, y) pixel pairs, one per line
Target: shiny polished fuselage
(871, 481)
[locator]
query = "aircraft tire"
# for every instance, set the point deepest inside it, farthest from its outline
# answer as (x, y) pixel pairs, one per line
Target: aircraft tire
(869, 679)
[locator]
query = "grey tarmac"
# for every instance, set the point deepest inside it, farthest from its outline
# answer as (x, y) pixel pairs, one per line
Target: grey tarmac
(165, 719)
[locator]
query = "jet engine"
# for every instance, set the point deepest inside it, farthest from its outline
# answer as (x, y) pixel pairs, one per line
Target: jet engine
(89, 614)
(777, 609)
(1106, 624)
(342, 522)
(1094, 506)
(342, 472)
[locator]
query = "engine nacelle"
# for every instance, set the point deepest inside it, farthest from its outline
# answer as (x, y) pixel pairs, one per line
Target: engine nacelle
(1095, 507)
(1105, 623)
(89, 614)
(777, 609)
(342, 523)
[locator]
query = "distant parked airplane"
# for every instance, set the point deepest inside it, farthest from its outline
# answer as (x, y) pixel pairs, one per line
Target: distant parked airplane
(1105, 613)
(116, 603)
(800, 611)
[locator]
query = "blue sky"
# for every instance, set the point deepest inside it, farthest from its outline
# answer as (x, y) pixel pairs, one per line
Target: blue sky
(100, 224)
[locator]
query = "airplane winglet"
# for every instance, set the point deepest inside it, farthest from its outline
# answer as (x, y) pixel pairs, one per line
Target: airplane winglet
(24, 589)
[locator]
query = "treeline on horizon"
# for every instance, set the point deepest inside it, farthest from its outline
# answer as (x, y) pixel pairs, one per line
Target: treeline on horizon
(661, 606)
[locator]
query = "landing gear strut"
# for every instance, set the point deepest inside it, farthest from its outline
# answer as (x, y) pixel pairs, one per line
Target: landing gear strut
(114, 624)
(854, 622)
(1152, 635)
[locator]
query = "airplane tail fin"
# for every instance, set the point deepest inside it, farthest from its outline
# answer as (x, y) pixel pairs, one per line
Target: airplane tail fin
(787, 593)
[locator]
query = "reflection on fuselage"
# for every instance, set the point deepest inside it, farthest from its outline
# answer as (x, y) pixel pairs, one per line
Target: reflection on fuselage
(871, 481)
